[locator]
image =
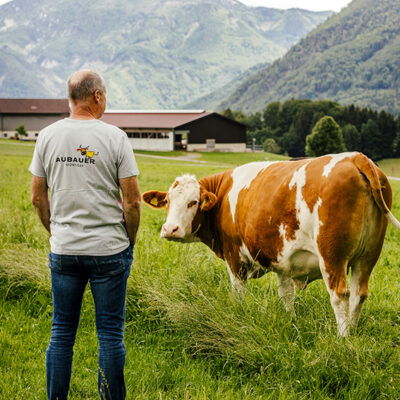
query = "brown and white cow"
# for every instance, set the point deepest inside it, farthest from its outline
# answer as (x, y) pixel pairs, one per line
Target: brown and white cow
(304, 220)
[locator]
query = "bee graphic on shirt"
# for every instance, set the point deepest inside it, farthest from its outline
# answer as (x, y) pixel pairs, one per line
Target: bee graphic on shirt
(86, 152)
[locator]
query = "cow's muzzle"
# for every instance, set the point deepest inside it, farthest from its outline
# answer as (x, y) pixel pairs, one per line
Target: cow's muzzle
(171, 231)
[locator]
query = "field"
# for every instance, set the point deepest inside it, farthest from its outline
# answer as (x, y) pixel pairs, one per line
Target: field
(187, 335)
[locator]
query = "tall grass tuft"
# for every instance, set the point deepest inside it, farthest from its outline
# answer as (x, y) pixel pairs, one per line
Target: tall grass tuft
(23, 268)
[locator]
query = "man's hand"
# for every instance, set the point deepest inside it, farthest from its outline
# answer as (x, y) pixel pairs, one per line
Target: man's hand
(131, 205)
(40, 200)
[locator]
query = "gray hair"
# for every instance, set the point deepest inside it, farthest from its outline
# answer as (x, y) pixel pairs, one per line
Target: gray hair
(82, 84)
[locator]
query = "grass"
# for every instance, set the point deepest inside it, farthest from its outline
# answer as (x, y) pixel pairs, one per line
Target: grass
(240, 158)
(222, 158)
(161, 153)
(390, 167)
(187, 335)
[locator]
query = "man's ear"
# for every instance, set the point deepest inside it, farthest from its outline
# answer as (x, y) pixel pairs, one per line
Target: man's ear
(155, 199)
(207, 201)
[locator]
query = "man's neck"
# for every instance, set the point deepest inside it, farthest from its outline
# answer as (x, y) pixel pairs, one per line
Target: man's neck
(82, 112)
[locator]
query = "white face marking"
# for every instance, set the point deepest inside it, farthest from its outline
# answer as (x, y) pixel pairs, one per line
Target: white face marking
(184, 199)
(335, 158)
(242, 177)
(305, 240)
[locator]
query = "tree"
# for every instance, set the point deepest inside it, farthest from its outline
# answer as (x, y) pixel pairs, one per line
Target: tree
(236, 116)
(270, 146)
(387, 128)
(271, 114)
(20, 131)
(396, 144)
(254, 121)
(371, 140)
(325, 138)
(292, 144)
(352, 138)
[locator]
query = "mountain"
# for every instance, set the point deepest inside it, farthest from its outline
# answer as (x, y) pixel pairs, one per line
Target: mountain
(153, 53)
(353, 57)
(211, 100)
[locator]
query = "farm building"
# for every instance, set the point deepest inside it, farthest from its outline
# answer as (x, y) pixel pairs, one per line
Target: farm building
(181, 129)
(33, 114)
(147, 130)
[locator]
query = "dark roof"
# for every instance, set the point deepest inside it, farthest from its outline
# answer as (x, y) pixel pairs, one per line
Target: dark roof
(34, 106)
(151, 119)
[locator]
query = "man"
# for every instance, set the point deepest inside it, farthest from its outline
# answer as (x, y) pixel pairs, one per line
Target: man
(85, 163)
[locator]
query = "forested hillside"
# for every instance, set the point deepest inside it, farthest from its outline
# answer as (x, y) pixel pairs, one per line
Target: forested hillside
(353, 57)
(153, 53)
(376, 134)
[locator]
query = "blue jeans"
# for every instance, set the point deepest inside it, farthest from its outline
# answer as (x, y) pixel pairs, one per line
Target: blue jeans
(108, 276)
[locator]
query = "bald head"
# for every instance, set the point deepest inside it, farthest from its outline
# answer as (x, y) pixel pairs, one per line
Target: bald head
(82, 84)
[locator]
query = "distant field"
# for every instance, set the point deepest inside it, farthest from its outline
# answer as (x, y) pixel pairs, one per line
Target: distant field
(162, 153)
(390, 167)
(225, 158)
(187, 335)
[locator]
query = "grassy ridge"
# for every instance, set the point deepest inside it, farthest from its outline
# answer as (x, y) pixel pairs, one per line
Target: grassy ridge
(187, 335)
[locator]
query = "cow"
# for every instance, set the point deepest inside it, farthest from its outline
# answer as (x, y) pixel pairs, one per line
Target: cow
(304, 220)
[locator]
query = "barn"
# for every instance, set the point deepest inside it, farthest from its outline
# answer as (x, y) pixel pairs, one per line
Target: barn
(163, 130)
(192, 130)
(33, 114)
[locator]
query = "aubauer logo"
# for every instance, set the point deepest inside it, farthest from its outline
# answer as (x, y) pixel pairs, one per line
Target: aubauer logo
(79, 161)
(86, 152)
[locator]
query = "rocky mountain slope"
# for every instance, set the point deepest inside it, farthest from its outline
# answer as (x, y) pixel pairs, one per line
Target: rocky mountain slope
(354, 57)
(153, 53)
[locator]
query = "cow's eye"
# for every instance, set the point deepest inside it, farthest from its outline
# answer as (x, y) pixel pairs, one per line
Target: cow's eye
(192, 203)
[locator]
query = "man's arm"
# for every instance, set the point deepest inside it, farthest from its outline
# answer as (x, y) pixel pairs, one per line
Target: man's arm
(40, 200)
(131, 205)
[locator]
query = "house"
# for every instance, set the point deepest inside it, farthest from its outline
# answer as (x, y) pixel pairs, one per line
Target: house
(33, 114)
(193, 130)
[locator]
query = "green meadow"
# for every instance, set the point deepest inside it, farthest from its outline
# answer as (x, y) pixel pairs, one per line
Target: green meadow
(187, 335)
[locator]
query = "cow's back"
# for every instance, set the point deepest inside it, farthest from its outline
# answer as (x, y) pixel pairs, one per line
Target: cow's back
(297, 211)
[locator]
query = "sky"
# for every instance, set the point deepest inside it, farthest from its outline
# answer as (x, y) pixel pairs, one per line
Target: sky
(315, 5)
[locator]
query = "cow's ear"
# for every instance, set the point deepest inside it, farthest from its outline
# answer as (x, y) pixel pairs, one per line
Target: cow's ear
(155, 199)
(207, 201)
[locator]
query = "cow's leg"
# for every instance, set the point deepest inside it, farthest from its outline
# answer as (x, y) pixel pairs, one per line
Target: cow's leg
(286, 292)
(360, 274)
(236, 283)
(335, 280)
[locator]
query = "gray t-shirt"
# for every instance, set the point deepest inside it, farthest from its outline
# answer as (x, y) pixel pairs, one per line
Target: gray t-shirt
(82, 161)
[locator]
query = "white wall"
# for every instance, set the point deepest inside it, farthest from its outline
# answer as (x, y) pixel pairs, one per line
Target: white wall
(11, 135)
(166, 144)
(231, 147)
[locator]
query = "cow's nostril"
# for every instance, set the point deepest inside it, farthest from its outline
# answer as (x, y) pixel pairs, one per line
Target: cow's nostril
(175, 229)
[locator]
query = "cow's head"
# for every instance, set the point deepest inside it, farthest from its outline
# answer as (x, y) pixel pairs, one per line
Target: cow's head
(184, 201)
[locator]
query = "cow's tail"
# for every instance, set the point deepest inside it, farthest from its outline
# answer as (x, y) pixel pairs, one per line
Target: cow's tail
(368, 169)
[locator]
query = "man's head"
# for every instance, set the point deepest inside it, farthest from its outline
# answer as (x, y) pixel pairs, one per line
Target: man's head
(87, 90)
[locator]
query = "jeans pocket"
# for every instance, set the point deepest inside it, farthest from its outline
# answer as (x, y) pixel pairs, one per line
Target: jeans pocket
(109, 265)
(64, 264)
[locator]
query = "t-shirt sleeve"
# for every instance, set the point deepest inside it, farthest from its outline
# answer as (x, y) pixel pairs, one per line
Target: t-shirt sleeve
(126, 163)
(36, 167)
